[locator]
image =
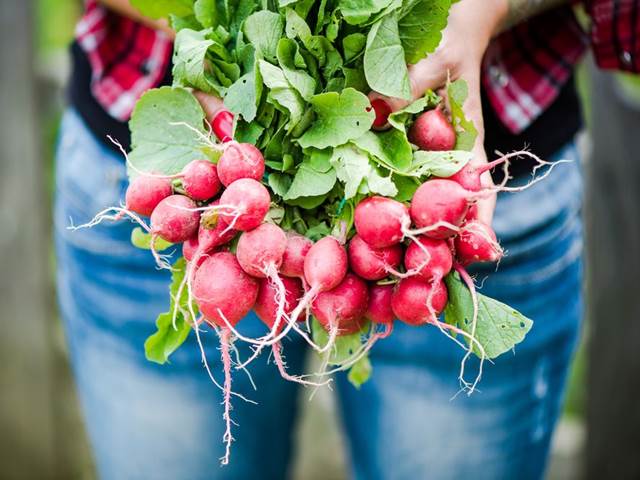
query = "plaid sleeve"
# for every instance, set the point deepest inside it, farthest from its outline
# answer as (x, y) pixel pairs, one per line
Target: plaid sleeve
(525, 68)
(126, 58)
(615, 33)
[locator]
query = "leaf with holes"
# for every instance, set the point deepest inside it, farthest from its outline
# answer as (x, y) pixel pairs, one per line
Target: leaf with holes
(159, 144)
(466, 131)
(439, 164)
(499, 327)
(340, 117)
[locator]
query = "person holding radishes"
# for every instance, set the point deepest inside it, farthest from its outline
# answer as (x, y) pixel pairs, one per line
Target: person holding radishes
(146, 421)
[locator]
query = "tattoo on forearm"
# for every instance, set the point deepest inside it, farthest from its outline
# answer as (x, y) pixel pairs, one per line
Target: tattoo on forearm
(520, 10)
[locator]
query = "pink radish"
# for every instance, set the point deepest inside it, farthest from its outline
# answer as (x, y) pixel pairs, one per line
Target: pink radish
(370, 263)
(340, 311)
(175, 219)
(293, 260)
(240, 160)
(267, 303)
(429, 259)
(200, 180)
(189, 248)
(472, 214)
(439, 206)
(213, 232)
(244, 204)
(380, 221)
(325, 264)
(477, 242)
(379, 308)
(416, 302)
(432, 131)
(470, 176)
(260, 250)
(267, 309)
(145, 192)
(222, 125)
(223, 291)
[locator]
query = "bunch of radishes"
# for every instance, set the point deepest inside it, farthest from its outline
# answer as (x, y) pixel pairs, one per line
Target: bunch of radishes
(390, 265)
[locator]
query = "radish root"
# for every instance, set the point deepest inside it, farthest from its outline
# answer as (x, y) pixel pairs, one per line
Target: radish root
(227, 438)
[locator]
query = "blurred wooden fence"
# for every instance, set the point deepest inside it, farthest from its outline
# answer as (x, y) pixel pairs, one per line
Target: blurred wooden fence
(26, 417)
(613, 234)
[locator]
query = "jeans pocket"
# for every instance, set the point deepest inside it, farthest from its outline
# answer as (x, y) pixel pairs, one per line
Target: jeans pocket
(559, 247)
(89, 178)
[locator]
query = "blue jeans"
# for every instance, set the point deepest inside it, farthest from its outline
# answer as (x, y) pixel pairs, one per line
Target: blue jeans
(147, 421)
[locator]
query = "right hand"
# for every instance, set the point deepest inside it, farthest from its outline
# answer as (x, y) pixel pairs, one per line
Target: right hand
(470, 27)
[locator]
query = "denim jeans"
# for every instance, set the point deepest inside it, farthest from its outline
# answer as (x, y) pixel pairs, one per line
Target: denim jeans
(147, 421)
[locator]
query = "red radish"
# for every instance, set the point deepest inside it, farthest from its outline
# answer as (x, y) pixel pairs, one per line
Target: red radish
(213, 232)
(382, 110)
(432, 131)
(240, 160)
(477, 242)
(268, 310)
(370, 263)
(341, 310)
(428, 260)
(472, 214)
(325, 264)
(267, 303)
(439, 201)
(175, 219)
(416, 302)
(222, 125)
(200, 180)
(470, 176)
(145, 192)
(191, 254)
(380, 221)
(260, 250)
(293, 260)
(245, 203)
(220, 235)
(189, 248)
(222, 287)
(379, 308)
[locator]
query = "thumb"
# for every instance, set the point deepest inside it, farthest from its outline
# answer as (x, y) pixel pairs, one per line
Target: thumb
(427, 74)
(211, 104)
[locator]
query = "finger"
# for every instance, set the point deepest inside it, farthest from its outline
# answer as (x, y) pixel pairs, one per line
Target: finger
(424, 75)
(211, 104)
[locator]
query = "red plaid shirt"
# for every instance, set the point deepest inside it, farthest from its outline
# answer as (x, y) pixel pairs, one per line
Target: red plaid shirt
(524, 68)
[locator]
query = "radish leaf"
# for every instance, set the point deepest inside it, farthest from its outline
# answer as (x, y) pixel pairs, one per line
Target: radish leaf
(466, 132)
(420, 26)
(166, 340)
(340, 117)
(157, 145)
(384, 64)
(439, 164)
(499, 327)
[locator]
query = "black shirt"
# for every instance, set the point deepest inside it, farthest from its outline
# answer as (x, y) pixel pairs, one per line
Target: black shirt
(547, 134)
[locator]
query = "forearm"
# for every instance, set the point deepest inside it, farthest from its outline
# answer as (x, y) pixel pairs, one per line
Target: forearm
(124, 8)
(520, 10)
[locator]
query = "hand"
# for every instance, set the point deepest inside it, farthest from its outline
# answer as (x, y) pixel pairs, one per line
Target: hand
(211, 104)
(471, 25)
